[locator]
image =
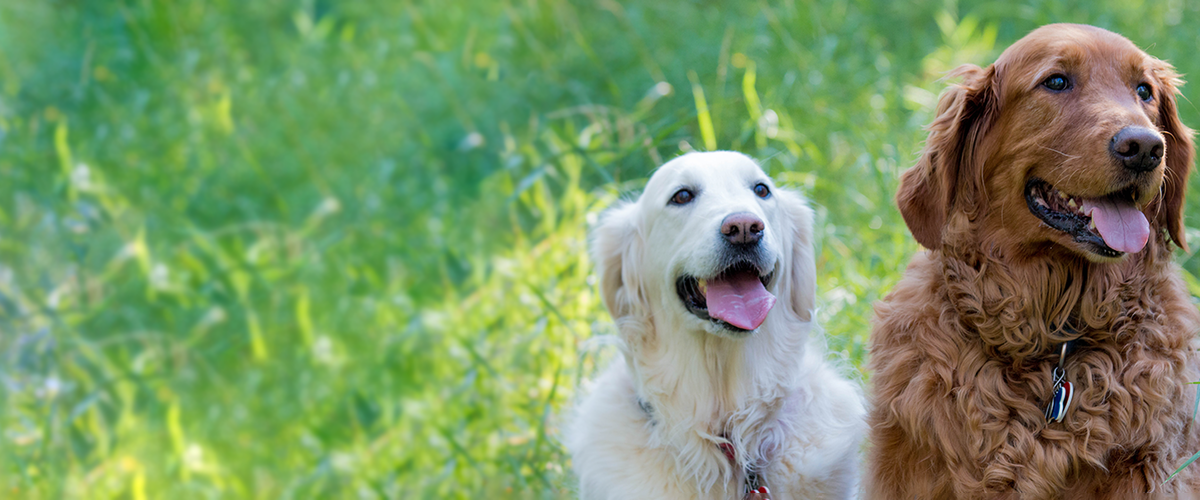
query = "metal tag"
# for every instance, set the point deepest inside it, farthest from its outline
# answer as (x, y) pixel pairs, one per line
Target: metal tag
(1060, 402)
(1063, 390)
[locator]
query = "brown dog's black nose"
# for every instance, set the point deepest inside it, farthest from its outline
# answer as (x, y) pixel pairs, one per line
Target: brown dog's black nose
(742, 228)
(1138, 148)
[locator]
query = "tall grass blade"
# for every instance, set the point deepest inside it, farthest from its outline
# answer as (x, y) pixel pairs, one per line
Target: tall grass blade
(702, 114)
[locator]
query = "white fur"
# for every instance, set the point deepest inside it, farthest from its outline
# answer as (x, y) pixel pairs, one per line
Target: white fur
(770, 392)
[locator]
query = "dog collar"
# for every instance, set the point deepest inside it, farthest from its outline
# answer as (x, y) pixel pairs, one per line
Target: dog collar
(752, 487)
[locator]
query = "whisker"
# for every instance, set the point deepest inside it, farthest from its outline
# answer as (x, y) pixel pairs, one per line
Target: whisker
(1071, 175)
(1162, 193)
(1073, 157)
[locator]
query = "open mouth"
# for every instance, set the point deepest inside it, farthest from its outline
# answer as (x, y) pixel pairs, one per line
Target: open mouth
(736, 298)
(1109, 226)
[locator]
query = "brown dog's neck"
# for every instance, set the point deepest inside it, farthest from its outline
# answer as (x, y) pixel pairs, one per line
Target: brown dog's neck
(1022, 308)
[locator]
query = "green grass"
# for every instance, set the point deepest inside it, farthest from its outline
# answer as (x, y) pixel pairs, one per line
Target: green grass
(338, 249)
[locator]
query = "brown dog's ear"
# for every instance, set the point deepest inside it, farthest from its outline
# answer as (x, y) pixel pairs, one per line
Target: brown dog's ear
(1178, 155)
(928, 190)
(799, 289)
(616, 245)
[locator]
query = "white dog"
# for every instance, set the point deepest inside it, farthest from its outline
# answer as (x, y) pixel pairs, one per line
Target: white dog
(709, 277)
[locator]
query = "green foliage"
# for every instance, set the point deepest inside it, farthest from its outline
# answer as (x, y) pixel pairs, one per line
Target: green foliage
(339, 249)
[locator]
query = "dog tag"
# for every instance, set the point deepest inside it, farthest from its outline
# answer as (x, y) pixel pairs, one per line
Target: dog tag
(1063, 390)
(1057, 409)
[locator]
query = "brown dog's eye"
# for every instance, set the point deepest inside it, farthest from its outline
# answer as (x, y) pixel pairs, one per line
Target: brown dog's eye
(761, 190)
(1056, 83)
(1143, 91)
(682, 197)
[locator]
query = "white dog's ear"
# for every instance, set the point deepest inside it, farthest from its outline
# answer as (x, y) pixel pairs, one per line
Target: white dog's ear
(799, 285)
(616, 248)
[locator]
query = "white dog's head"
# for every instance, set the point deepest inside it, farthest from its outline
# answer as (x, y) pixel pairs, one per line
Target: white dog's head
(711, 244)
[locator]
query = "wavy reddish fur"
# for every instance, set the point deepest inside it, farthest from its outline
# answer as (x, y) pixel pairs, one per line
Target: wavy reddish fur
(963, 347)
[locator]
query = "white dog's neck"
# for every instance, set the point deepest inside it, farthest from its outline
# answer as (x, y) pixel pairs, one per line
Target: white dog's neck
(701, 390)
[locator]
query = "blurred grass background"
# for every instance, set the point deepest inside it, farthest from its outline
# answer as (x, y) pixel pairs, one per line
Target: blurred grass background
(326, 249)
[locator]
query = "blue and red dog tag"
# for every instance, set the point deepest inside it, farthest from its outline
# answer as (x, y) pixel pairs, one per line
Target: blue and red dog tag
(1063, 390)
(1061, 400)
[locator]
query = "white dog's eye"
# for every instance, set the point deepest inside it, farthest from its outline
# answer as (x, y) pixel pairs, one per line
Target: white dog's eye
(682, 197)
(761, 190)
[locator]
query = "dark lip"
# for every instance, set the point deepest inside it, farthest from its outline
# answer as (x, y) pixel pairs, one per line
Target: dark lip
(1045, 203)
(687, 287)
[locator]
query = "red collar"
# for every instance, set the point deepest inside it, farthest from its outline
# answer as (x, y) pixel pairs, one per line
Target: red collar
(753, 486)
(754, 482)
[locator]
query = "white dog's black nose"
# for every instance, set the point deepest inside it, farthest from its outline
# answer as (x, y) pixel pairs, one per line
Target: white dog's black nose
(742, 228)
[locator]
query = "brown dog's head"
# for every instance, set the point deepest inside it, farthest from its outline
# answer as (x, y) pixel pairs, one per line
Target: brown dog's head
(1070, 139)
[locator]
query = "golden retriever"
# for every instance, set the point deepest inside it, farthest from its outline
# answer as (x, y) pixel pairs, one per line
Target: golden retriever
(1042, 347)
(722, 394)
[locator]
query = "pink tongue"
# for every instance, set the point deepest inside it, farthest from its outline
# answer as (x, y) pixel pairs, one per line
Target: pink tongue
(739, 300)
(1123, 227)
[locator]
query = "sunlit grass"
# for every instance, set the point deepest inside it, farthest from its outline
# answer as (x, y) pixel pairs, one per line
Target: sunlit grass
(339, 249)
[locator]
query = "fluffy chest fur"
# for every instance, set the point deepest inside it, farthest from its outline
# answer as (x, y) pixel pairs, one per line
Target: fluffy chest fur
(966, 377)
(801, 437)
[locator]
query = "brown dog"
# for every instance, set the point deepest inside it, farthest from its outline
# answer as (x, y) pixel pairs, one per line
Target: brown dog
(1048, 194)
